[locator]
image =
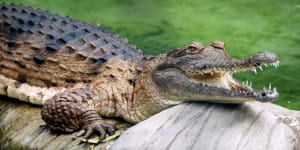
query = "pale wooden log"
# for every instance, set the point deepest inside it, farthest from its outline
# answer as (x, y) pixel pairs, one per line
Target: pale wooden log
(186, 126)
(21, 127)
(207, 126)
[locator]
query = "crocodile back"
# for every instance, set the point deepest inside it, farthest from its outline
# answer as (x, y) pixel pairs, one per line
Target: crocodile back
(43, 49)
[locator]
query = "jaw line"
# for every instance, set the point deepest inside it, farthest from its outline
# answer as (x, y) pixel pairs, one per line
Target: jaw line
(227, 82)
(230, 87)
(223, 80)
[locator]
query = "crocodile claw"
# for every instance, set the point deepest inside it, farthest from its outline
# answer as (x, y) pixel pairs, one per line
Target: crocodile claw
(98, 127)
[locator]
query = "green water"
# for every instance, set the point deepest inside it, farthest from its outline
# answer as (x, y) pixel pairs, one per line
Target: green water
(246, 27)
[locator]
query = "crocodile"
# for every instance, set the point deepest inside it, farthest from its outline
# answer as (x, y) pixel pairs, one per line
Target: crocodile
(81, 73)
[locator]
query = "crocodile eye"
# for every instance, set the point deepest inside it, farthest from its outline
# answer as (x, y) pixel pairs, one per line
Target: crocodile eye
(195, 48)
(191, 50)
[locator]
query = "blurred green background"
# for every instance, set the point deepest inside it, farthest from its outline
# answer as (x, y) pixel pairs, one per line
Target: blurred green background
(246, 27)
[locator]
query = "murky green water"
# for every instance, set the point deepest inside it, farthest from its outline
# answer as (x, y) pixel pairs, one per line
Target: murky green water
(157, 26)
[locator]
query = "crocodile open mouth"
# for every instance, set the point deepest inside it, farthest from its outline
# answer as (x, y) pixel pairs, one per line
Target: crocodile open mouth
(222, 78)
(201, 72)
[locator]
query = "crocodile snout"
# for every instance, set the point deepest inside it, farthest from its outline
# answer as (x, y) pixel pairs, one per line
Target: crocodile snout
(264, 57)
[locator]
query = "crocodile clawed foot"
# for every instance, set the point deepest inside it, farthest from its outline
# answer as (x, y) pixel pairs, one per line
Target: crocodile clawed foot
(98, 127)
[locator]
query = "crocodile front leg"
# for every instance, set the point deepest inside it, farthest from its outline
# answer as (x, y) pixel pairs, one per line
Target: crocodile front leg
(74, 110)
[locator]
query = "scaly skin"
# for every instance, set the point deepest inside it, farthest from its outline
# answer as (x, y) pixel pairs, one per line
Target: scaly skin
(81, 72)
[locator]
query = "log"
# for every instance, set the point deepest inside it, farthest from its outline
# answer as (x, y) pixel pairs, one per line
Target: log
(21, 127)
(185, 126)
(207, 126)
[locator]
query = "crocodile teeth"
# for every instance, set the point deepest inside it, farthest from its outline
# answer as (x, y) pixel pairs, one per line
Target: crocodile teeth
(247, 83)
(275, 64)
(274, 89)
(254, 70)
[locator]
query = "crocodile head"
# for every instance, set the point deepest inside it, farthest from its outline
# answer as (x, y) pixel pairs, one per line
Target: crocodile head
(199, 72)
